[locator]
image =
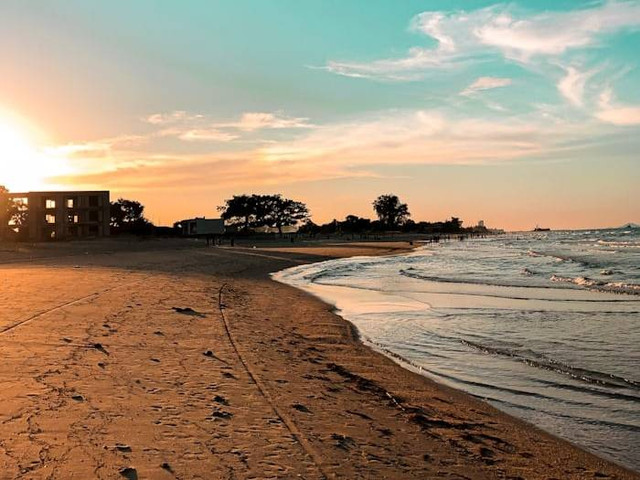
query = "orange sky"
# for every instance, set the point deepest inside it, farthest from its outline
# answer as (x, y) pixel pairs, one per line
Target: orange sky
(181, 108)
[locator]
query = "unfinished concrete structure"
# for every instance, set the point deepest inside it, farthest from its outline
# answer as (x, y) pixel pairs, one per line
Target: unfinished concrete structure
(62, 215)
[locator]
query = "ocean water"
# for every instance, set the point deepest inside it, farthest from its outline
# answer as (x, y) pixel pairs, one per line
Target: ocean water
(545, 326)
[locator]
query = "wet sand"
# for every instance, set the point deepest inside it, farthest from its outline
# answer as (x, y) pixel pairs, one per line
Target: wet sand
(168, 360)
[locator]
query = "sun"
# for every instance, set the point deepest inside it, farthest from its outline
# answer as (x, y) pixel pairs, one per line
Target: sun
(24, 165)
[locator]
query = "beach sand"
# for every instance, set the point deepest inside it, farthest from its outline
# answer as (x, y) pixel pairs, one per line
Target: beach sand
(170, 360)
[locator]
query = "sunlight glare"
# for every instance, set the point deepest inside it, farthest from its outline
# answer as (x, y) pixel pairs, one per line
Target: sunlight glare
(23, 164)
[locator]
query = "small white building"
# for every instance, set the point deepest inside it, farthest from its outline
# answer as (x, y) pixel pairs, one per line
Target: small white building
(200, 227)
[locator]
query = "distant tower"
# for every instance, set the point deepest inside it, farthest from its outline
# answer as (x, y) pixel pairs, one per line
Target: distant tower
(481, 223)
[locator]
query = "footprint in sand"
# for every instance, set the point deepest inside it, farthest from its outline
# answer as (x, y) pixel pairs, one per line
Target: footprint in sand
(342, 441)
(221, 414)
(130, 473)
(301, 408)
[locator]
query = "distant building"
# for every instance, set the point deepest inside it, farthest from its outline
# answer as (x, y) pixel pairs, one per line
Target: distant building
(286, 229)
(62, 215)
(481, 224)
(200, 227)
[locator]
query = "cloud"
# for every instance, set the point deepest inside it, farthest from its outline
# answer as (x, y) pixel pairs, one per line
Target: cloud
(572, 85)
(198, 134)
(555, 33)
(179, 116)
(462, 37)
(192, 127)
(252, 121)
(621, 115)
(485, 83)
(422, 137)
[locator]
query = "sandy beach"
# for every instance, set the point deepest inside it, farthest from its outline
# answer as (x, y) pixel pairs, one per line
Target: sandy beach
(174, 360)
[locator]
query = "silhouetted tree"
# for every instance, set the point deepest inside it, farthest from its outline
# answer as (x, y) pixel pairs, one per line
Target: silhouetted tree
(277, 212)
(273, 211)
(16, 213)
(391, 212)
(355, 224)
(240, 210)
(127, 216)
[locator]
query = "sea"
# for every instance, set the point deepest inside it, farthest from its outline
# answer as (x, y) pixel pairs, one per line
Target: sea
(542, 325)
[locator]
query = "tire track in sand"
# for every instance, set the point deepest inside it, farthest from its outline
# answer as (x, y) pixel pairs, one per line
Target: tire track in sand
(285, 419)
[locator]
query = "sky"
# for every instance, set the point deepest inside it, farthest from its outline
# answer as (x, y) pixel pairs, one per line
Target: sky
(520, 114)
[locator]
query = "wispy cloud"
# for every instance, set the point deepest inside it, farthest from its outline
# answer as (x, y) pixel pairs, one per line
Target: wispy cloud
(188, 134)
(616, 114)
(572, 85)
(464, 36)
(252, 121)
(485, 83)
(199, 127)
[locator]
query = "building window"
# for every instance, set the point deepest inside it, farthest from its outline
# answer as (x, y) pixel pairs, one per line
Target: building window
(93, 216)
(50, 203)
(50, 218)
(71, 203)
(93, 201)
(73, 219)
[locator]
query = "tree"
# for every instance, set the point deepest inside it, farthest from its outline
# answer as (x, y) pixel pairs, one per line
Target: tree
(240, 210)
(281, 212)
(127, 216)
(355, 224)
(391, 212)
(253, 211)
(15, 212)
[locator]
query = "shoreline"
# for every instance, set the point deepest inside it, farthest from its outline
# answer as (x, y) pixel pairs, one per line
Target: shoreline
(408, 365)
(263, 380)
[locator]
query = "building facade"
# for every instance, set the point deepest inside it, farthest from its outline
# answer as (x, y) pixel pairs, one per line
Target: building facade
(62, 215)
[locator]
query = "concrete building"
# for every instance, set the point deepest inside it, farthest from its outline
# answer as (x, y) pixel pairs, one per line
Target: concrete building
(200, 227)
(63, 215)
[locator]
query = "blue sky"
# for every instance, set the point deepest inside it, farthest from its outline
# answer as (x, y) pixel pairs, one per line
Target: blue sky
(516, 113)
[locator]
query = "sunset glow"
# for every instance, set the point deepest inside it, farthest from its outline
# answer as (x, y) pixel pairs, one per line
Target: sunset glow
(25, 166)
(515, 112)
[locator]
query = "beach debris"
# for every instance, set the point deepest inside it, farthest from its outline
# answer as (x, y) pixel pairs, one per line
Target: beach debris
(122, 447)
(78, 398)
(159, 333)
(187, 311)
(157, 360)
(220, 399)
(129, 472)
(210, 354)
(68, 340)
(100, 348)
(167, 467)
(222, 414)
(102, 364)
(342, 441)
(301, 408)
(229, 375)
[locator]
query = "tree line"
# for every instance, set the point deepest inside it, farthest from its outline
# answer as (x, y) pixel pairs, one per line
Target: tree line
(247, 212)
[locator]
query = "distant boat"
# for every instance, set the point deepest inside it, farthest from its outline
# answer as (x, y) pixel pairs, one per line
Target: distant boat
(541, 229)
